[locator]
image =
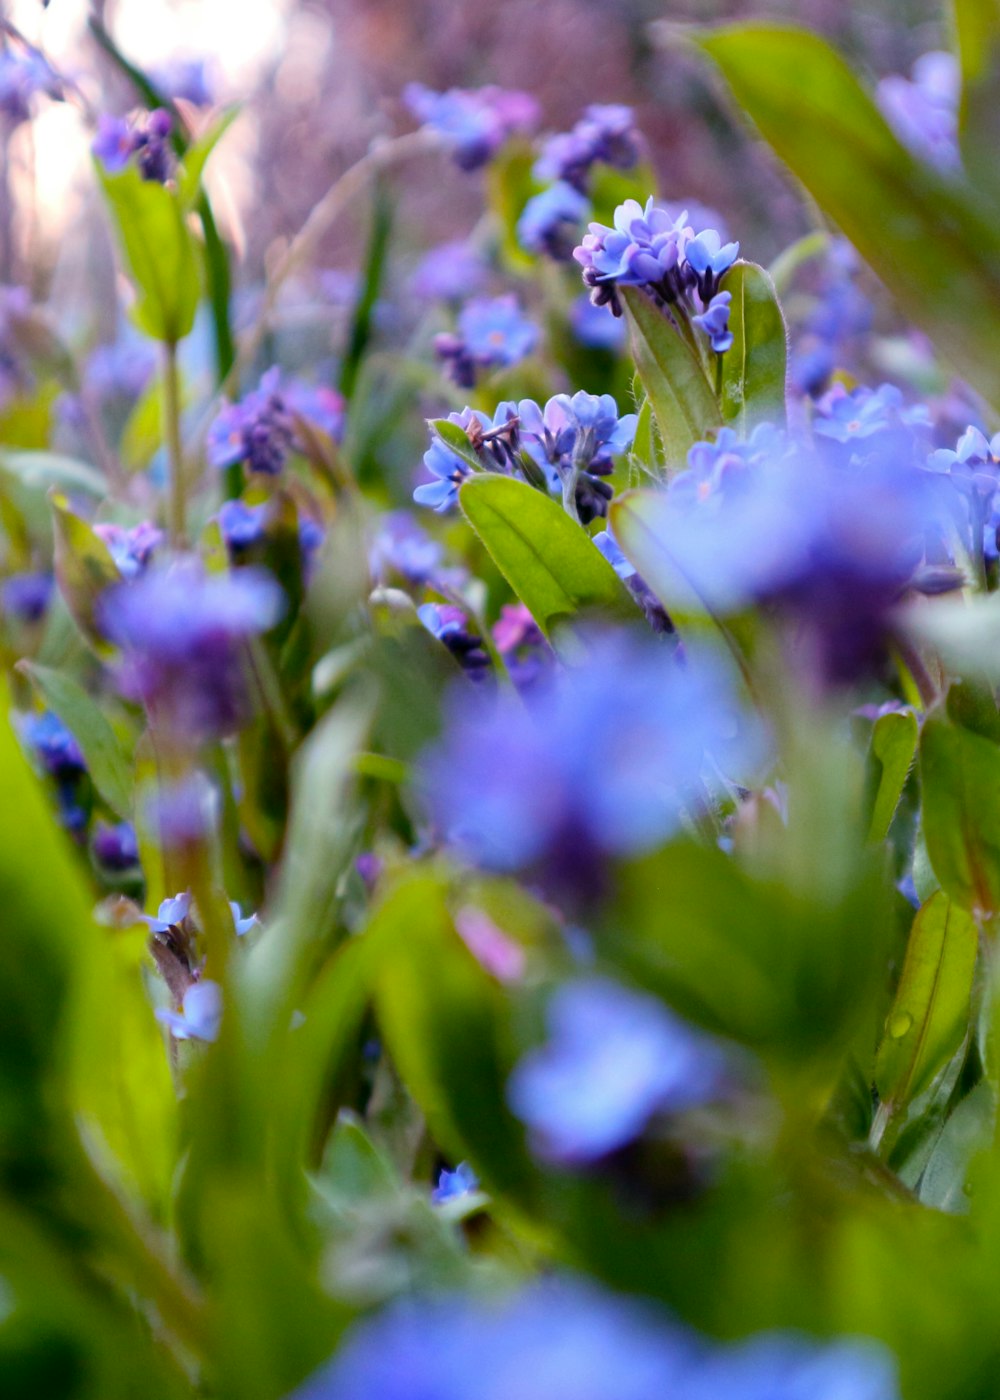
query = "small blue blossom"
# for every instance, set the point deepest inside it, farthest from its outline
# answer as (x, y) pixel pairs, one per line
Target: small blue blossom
(57, 749)
(450, 272)
(449, 471)
(256, 432)
(605, 132)
(321, 406)
(143, 137)
(452, 1186)
(614, 1059)
(593, 327)
(780, 1366)
(577, 437)
(200, 1015)
(241, 525)
(496, 331)
(401, 546)
(119, 372)
(115, 847)
(190, 79)
(474, 123)
(171, 911)
(131, 549)
(710, 259)
(923, 110)
(643, 247)
(714, 321)
(550, 221)
(241, 924)
(450, 626)
(26, 596)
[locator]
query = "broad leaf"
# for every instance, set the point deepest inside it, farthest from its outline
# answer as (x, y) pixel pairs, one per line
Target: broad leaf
(549, 561)
(977, 28)
(753, 369)
(928, 1019)
(893, 749)
(673, 376)
(961, 789)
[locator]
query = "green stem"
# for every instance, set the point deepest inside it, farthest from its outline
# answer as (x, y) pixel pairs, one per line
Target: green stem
(175, 454)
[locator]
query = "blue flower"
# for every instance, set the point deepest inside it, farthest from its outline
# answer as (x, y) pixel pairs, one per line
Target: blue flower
(714, 321)
(550, 221)
(605, 132)
(614, 1059)
(257, 431)
(577, 436)
(496, 331)
(143, 137)
(473, 122)
(452, 1185)
(318, 404)
(131, 549)
(200, 1015)
(780, 1366)
(26, 596)
(449, 471)
(923, 111)
(450, 626)
(642, 249)
(55, 746)
(242, 526)
(599, 762)
(847, 416)
(593, 327)
(450, 272)
(182, 633)
(115, 847)
(402, 547)
(171, 911)
(241, 924)
(706, 255)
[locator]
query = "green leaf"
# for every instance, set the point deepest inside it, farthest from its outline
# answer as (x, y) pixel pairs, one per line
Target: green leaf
(39, 471)
(928, 1019)
(84, 569)
(673, 376)
(196, 156)
(905, 219)
(159, 251)
(753, 369)
(960, 772)
(98, 742)
(965, 1133)
(456, 439)
(550, 562)
(892, 751)
(977, 29)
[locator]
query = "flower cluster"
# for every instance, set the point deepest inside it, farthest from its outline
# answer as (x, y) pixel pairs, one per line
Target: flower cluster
(259, 431)
(662, 254)
(143, 137)
(493, 333)
(474, 123)
(605, 133)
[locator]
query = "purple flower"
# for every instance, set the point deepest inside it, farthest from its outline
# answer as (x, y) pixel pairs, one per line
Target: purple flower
(452, 1186)
(26, 596)
(550, 221)
(450, 272)
(642, 249)
(450, 626)
(449, 471)
(923, 111)
(614, 1060)
(242, 526)
(182, 633)
(132, 550)
(200, 1015)
(257, 432)
(120, 371)
(187, 78)
(604, 133)
(23, 77)
(115, 847)
(142, 136)
(714, 321)
(55, 746)
(496, 332)
(474, 122)
(973, 469)
(598, 762)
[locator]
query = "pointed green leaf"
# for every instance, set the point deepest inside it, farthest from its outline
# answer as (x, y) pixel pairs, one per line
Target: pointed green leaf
(929, 1016)
(960, 772)
(893, 748)
(905, 219)
(753, 369)
(673, 376)
(550, 562)
(98, 742)
(197, 154)
(84, 569)
(456, 439)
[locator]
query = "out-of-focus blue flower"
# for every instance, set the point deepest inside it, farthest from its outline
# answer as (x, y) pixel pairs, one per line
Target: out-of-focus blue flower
(256, 432)
(449, 471)
(241, 525)
(849, 415)
(241, 924)
(557, 1340)
(190, 79)
(601, 761)
(401, 546)
(131, 549)
(23, 77)
(605, 132)
(318, 404)
(200, 1015)
(450, 626)
(923, 110)
(550, 221)
(453, 1185)
(614, 1059)
(496, 331)
(26, 596)
(714, 321)
(786, 1367)
(973, 468)
(115, 846)
(182, 632)
(593, 327)
(57, 750)
(474, 122)
(183, 811)
(119, 371)
(143, 136)
(450, 272)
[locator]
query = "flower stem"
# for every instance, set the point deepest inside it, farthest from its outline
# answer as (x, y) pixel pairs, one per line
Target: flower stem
(172, 434)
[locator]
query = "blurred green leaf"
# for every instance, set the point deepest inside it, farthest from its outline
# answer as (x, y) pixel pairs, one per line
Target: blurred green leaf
(891, 754)
(928, 1019)
(98, 742)
(673, 377)
(904, 218)
(960, 772)
(638, 518)
(84, 569)
(966, 1132)
(977, 29)
(196, 157)
(548, 560)
(753, 369)
(159, 251)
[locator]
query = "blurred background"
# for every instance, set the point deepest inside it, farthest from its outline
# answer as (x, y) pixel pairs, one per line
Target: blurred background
(319, 79)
